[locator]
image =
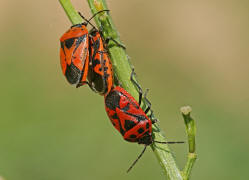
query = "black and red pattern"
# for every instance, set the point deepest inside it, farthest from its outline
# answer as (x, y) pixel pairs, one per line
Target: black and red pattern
(74, 54)
(84, 58)
(128, 117)
(100, 73)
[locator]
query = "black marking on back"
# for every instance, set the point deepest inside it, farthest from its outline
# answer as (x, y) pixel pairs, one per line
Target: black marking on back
(112, 100)
(131, 102)
(121, 128)
(97, 78)
(95, 47)
(69, 42)
(95, 62)
(129, 124)
(147, 125)
(105, 69)
(126, 108)
(138, 117)
(115, 116)
(133, 136)
(79, 41)
(140, 130)
(106, 76)
(63, 49)
(62, 45)
(72, 74)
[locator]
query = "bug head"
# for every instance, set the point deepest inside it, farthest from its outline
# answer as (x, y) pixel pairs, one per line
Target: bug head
(146, 139)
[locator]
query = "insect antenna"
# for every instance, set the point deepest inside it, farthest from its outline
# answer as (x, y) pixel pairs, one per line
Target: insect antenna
(140, 155)
(169, 142)
(88, 20)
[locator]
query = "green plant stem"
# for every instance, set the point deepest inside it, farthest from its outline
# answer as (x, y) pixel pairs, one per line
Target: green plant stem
(191, 132)
(122, 70)
(118, 55)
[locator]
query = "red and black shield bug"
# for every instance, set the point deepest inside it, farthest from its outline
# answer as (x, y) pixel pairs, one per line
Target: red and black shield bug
(100, 73)
(129, 118)
(74, 53)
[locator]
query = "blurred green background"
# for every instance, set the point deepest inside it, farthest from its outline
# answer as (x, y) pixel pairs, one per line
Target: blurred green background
(187, 52)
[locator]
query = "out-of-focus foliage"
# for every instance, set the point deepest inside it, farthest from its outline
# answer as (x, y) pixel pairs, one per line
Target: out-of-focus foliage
(186, 52)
